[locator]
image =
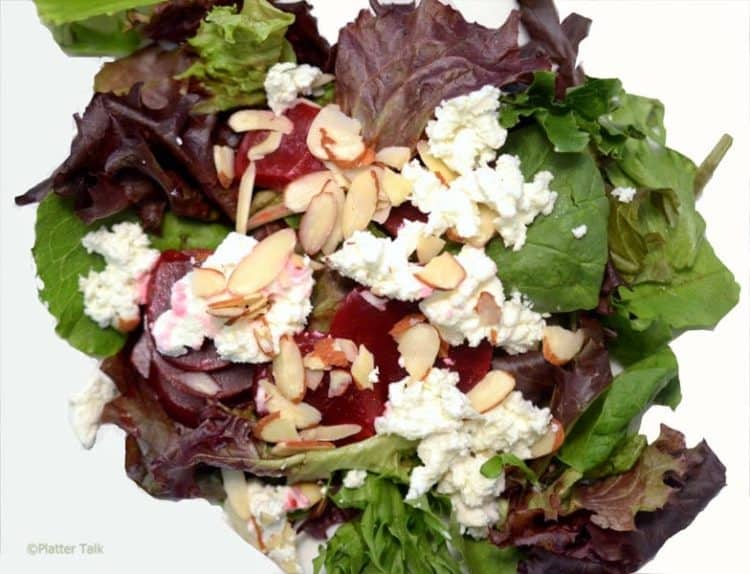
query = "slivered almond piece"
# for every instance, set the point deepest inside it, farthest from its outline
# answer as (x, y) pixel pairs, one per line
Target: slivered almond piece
(405, 324)
(289, 448)
(301, 414)
(288, 371)
(362, 366)
(491, 390)
(486, 228)
(227, 312)
(419, 348)
(329, 353)
(299, 193)
(429, 247)
(550, 442)
(394, 156)
(442, 272)
(360, 203)
(395, 186)
(127, 325)
(337, 234)
(335, 136)
(348, 347)
(245, 198)
(318, 222)
(315, 363)
(267, 146)
(250, 301)
(382, 214)
(488, 310)
(313, 379)
(207, 282)
(224, 162)
(268, 215)
(252, 120)
(264, 263)
(338, 382)
(262, 334)
(311, 491)
(263, 198)
(435, 165)
(330, 433)
(559, 345)
(235, 486)
(275, 428)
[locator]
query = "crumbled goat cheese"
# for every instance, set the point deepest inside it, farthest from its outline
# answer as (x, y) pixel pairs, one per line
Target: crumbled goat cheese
(87, 406)
(454, 312)
(580, 231)
(374, 375)
(382, 264)
(355, 478)
(187, 323)
(111, 296)
(285, 81)
(624, 194)
(466, 131)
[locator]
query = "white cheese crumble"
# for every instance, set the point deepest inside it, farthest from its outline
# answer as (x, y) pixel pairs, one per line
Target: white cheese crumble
(286, 81)
(111, 296)
(580, 231)
(187, 323)
(355, 478)
(624, 194)
(466, 131)
(86, 407)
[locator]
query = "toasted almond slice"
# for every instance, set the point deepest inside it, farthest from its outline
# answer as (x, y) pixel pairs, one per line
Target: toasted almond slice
(360, 203)
(491, 390)
(315, 363)
(559, 345)
(490, 313)
(202, 383)
(289, 448)
(435, 165)
(288, 371)
(228, 300)
(301, 414)
(395, 186)
(227, 312)
(322, 80)
(330, 433)
(394, 156)
(127, 325)
(262, 334)
(264, 263)
(235, 486)
(275, 428)
(382, 214)
(348, 347)
(224, 162)
(313, 379)
(486, 228)
(362, 366)
(266, 147)
(335, 136)
(442, 272)
(405, 324)
(263, 198)
(299, 193)
(337, 234)
(329, 353)
(550, 442)
(252, 120)
(318, 222)
(268, 215)
(312, 491)
(245, 198)
(207, 282)
(429, 247)
(419, 348)
(338, 383)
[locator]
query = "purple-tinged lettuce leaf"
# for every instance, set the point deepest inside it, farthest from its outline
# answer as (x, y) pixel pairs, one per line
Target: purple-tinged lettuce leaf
(153, 66)
(309, 46)
(394, 68)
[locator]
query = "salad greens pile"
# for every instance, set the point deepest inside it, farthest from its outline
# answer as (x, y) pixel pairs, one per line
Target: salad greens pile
(643, 273)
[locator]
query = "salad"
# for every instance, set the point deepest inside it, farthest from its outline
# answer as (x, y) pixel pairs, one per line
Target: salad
(409, 295)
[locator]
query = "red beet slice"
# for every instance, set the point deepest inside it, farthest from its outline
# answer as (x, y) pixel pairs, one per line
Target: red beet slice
(471, 363)
(234, 380)
(404, 212)
(185, 408)
(293, 158)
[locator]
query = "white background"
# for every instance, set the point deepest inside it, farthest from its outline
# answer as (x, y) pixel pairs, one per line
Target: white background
(693, 55)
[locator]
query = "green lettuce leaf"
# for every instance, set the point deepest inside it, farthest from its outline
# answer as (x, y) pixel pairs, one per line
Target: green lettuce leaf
(180, 233)
(483, 557)
(64, 11)
(554, 269)
(235, 51)
(495, 466)
(623, 459)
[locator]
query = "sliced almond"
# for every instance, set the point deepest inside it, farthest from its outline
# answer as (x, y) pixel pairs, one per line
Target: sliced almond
(299, 193)
(491, 390)
(289, 448)
(337, 234)
(263, 198)
(395, 186)
(330, 433)
(224, 162)
(252, 120)
(264, 263)
(313, 379)
(335, 136)
(360, 203)
(275, 428)
(228, 300)
(348, 347)
(315, 363)
(338, 383)
(227, 312)
(288, 371)
(326, 354)
(442, 272)
(419, 347)
(207, 282)
(559, 345)
(201, 383)
(266, 147)
(263, 337)
(235, 486)
(490, 313)
(405, 324)
(429, 247)
(362, 366)
(486, 228)
(127, 325)
(435, 165)
(550, 442)
(311, 491)
(318, 222)
(382, 214)
(301, 414)
(245, 198)
(268, 215)
(394, 156)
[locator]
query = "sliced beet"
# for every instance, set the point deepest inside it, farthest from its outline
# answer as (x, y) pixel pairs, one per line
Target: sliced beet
(141, 355)
(234, 380)
(205, 359)
(185, 408)
(471, 363)
(400, 214)
(293, 158)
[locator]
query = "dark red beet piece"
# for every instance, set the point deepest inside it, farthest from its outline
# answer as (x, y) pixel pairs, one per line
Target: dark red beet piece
(181, 406)
(293, 158)
(471, 363)
(404, 212)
